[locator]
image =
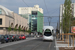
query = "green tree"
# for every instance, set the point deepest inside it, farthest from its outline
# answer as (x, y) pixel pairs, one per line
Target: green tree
(73, 22)
(15, 29)
(9, 29)
(19, 29)
(67, 15)
(29, 31)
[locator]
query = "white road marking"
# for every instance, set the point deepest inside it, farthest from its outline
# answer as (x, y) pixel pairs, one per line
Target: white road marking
(56, 44)
(50, 45)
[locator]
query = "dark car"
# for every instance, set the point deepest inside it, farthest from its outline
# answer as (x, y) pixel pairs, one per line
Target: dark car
(17, 37)
(0, 37)
(13, 37)
(2, 40)
(7, 38)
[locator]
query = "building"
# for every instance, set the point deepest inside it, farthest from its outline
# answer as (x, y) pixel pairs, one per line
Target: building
(27, 10)
(9, 18)
(36, 21)
(62, 12)
(34, 16)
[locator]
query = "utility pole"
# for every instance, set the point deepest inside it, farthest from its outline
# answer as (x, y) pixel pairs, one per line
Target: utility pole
(49, 20)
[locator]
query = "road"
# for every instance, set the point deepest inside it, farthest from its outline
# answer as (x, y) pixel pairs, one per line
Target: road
(31, 44)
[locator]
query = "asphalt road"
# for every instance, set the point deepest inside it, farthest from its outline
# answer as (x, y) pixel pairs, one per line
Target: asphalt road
(34, 44)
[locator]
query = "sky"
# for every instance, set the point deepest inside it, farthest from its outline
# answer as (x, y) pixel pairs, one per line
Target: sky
(53, 7)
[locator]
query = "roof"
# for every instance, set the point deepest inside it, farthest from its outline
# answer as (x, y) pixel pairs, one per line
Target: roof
(48, 27)
(7, 12)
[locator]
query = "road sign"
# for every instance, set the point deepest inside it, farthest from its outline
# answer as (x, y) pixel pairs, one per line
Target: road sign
(73, 29)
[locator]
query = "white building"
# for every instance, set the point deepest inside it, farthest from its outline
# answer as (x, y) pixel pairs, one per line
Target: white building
(62, 11)
(27, 10)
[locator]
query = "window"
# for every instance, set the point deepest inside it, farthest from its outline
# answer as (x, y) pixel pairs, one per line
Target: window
(34, 12)
(0, 11)
(47, 32)
(0, 21)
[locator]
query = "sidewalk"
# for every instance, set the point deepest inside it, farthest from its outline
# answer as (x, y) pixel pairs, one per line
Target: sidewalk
(61, 45)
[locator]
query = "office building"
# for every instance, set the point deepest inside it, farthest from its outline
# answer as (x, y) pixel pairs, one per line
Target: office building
(34, 16)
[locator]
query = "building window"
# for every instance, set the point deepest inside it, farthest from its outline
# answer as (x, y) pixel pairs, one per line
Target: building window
(0, 21)
(0, 11)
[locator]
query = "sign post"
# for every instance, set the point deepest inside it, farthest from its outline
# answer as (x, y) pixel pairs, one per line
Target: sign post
(73, 31)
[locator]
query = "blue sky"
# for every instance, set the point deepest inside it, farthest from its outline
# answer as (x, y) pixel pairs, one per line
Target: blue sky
(52, 5)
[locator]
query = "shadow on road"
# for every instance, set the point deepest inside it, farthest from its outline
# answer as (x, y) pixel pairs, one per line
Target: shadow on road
(47, 41)
(40, 39)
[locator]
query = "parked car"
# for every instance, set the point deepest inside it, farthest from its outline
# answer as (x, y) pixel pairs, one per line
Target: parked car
(17, 37)
(0, 37)
(7, 38)
(23, 36)
(13, 37)
(2, 40)
(20, 38)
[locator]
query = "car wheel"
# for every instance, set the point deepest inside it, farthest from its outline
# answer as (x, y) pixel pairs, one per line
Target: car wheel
(10, 40)
(43, 40)
(2, 42)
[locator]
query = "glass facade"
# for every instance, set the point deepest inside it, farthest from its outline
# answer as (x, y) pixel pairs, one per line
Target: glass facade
(30, 22)
(0, 11)
(37, 21)
(40, 22)
(34, 21)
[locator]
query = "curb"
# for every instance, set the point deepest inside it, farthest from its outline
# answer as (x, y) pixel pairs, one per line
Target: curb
(56, 44)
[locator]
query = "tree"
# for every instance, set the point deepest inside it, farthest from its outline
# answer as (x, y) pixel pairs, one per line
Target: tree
(9, 29)
(29, 31)
(15, 29)
(19, 29)
(73, 22)
(67, 15)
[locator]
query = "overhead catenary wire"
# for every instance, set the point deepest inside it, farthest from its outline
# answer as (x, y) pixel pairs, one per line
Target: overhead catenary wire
(46, 6)
(25, 3)
(52, 11)
(47, 11)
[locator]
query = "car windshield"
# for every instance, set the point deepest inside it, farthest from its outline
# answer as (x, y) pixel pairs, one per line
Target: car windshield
(6, 36)
(22, 35)
(11, 35)
(47, 32)
(0, 35)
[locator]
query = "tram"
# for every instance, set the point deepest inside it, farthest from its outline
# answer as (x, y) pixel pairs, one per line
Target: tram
(48, 33)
